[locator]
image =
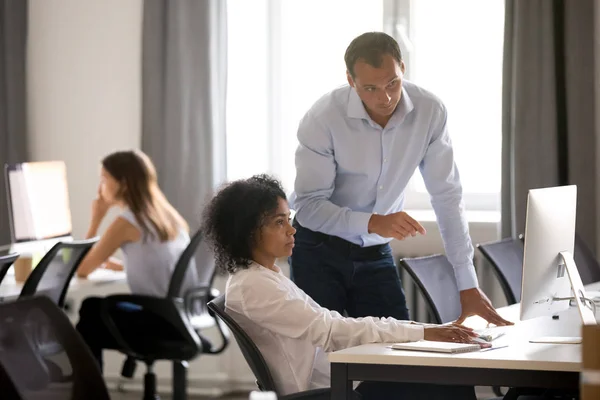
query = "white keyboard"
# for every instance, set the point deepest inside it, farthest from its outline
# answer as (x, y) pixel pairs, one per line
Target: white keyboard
(492, 333)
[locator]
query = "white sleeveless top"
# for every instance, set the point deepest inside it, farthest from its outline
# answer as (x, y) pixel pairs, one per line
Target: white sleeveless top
(149, 264)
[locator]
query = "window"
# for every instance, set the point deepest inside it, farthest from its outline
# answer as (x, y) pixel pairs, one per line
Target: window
(284, 55)
(455, 51)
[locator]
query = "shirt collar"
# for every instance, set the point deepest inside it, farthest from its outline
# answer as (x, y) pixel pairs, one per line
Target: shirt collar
(256, 265)
(356, 108)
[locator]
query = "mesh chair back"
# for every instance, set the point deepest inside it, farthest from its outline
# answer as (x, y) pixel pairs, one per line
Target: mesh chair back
(181, 268)
(586, 261)
(435, 278)
(43, 355)
(5, 263)
(506, 258)
(52, 275)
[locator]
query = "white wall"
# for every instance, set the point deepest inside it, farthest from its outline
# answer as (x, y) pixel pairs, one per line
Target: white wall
(83, 88)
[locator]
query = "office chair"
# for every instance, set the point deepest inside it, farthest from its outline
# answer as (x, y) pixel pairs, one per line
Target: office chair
(6, 262)
(587, 264)
(435, 278)
(257, 363)
(185, 313)
(506, 258)
(43, 357)
(52, 275)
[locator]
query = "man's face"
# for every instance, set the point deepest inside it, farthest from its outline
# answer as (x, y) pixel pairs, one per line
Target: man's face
(380, 88)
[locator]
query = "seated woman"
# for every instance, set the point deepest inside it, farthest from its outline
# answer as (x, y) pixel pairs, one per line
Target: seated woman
(248, 224)
(149, 231)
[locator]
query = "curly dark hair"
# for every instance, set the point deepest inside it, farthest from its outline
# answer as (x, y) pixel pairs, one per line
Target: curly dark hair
(234, 216)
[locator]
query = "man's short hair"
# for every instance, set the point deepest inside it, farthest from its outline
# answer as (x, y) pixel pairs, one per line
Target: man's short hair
(371, 47)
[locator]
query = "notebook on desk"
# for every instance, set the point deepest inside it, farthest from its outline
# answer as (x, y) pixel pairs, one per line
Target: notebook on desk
(437, 347)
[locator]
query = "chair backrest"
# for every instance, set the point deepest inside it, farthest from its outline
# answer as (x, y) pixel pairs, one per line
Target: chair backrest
(251, 353)
(506, 258)
(5, 262)
(52, 275)
(435, 278)
(586, 261)
(182, 265)
(43, 355)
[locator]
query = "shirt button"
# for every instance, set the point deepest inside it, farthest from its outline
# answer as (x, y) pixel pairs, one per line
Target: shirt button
(385, 160)
(380, 187)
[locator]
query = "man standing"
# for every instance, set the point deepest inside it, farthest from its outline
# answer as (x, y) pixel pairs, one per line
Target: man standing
(359, 145)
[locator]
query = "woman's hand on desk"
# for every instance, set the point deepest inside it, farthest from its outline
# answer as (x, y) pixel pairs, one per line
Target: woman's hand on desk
(449, 333)
(113, 264)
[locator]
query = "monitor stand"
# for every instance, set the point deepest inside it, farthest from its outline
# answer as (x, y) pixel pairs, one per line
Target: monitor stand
(586, 314)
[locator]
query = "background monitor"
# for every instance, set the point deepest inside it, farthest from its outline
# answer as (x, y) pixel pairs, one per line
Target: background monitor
(38, 201)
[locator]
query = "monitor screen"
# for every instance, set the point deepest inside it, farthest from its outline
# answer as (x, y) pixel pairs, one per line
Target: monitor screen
(38, 201)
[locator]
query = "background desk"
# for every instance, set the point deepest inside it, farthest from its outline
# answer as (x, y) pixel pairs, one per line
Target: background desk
(10, 289)
(521, 364)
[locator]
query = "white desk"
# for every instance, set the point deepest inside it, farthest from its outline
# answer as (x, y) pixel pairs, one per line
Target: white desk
(9, 289)
(521, 364)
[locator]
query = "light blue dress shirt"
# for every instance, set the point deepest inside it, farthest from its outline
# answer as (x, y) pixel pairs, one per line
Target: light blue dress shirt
(348, 168)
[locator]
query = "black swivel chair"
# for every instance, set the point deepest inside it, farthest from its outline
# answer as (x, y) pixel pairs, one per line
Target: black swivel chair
(435, 278)
(52, 275)
(185, 313)
(506, 258)
(43, 357)
(255, 360)
(6, 262)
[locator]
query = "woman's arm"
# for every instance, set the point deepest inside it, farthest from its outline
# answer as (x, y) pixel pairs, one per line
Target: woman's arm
(114, 264)
(99, 209)
(290, 313)
(119, 232)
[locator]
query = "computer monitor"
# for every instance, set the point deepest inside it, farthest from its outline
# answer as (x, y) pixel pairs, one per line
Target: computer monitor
(38, 205)
(550, 276)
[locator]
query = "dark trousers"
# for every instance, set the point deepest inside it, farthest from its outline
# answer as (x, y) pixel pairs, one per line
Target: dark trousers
(362, 281)
(342, 276)
(97, 335)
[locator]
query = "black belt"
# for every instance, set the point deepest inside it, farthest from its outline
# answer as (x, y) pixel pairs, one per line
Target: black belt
(342, 245)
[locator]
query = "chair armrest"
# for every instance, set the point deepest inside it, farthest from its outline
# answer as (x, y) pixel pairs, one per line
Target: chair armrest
(204, 293)
(200, 296)
(170, 309)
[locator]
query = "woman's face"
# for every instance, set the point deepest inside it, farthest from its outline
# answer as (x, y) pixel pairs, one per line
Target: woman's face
(276, 236)
(110, 188)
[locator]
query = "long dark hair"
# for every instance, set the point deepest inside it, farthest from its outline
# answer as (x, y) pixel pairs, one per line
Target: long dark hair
(140, 192)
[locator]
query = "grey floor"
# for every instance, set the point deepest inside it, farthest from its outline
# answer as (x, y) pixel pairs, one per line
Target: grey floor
(138, 396)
